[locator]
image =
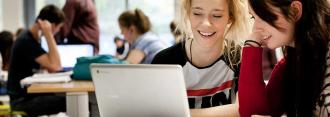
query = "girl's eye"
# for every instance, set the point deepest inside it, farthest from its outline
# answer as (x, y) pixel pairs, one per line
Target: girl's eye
(197, 14)
(217, 16)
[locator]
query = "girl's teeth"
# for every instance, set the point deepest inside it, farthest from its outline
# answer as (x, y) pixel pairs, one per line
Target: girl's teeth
(206, 34)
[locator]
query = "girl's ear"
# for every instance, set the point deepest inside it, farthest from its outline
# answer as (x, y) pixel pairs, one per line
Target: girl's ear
(296, 8)
(230, 19)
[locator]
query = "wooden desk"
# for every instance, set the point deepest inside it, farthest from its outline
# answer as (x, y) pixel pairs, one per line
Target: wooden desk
(76, 95)
(72, 86)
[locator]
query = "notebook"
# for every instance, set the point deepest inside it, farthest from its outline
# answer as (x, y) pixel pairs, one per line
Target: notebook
(47, 78)
(140, 90)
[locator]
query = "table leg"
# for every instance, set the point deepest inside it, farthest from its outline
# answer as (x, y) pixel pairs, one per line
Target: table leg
(77, 104)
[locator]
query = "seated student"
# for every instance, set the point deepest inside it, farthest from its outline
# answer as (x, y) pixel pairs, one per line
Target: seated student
(135, 26)
(122, 47)
(6, 42)
(300, 83)
(27, 58)
(211, 57)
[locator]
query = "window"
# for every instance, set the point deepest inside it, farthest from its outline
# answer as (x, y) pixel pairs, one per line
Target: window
(108, 12)
(41, 3)
(1, 19)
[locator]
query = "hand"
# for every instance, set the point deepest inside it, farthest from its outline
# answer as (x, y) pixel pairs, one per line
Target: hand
(45, 26)
(258, 36)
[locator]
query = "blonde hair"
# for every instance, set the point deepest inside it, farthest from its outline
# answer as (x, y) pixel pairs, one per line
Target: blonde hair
(235, 32)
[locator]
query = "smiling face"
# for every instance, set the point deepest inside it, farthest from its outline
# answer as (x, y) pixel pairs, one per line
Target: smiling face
(273, 37)
(209, 21)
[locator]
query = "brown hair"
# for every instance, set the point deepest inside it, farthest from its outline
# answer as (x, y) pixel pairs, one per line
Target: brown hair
(52, 14)
(135, 18)
(6, 42)
(306, 62)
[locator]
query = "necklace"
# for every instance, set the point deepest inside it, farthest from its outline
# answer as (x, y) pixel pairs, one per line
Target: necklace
(190, 51)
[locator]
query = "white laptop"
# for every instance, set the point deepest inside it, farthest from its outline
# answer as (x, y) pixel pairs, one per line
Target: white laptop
(70, 53)
(140, 90)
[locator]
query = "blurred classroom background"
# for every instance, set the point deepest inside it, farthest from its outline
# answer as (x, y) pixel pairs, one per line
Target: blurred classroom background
(15, 14)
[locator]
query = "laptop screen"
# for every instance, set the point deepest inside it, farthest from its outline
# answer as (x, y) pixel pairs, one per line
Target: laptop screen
(70, 53)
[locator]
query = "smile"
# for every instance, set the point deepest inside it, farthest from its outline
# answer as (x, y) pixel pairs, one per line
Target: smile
(206, 34)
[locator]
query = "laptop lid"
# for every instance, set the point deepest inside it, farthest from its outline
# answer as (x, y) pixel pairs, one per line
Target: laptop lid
(140, 90)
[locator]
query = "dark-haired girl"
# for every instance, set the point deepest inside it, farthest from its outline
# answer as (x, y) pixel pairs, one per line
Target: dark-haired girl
(300, 83)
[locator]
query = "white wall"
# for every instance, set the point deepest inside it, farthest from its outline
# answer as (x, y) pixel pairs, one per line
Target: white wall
(12, 14)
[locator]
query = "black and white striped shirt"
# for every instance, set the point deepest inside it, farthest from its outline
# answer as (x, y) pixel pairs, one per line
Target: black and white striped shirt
(323, 110)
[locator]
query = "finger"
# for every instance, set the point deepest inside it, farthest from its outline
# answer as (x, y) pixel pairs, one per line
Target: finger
(261, 35)
(39, 21)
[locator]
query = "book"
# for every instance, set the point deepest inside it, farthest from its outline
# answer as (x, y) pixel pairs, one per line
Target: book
(47, 78)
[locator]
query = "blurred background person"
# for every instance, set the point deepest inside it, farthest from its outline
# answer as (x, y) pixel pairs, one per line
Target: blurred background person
(135, 26)
(81, 26)
(6, 42)
(122, 48)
